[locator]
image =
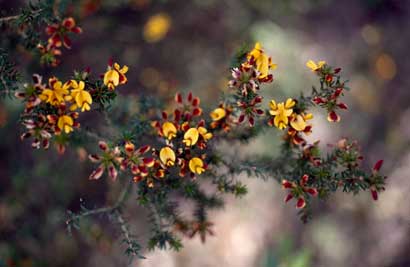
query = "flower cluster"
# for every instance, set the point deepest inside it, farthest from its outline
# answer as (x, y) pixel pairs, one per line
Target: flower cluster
(58, 36)
(301, 191)
(222, 117)
(246, 80)
(138, 162)
(288, 115)
(331, 89)
(185, 137)
(53, 109)
(347, 154)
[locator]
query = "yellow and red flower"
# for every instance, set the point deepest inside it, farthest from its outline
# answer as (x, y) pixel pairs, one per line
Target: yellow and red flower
(315, 66)
(169, 130)
(196, 165)
(281, 113)
(57, 94)
(115, 75)
(82, 98)
(167, 156)
(221, 117)
(191, 137)
(299, 190)
(262, 62)
(58, 32)
(109, 160)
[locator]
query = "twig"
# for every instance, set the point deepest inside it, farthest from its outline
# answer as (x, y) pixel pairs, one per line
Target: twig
(6, 87)
(4, 19)
(108, 209)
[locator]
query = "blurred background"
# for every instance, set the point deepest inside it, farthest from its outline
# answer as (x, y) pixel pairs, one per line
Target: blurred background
(174, 45)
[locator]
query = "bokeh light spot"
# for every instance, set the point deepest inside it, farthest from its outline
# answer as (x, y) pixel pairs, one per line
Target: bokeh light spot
(385, 67)
(371, 34)
(156, 28)
(149, 77)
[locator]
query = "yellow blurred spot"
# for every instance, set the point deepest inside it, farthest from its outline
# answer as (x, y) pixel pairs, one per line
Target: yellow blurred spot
(371, 34)
(364, 93)
(156, 27)
(386, 67)
(150, 77)
(163, 87)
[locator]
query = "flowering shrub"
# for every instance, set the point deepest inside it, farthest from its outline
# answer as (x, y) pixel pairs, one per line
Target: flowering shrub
(177, 149)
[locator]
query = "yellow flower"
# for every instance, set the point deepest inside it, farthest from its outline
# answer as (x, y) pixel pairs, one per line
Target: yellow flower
(57, 94)
(169, 130)
(65, 123)
(196, 165)
(156, 27)
(218, 114)
(263, 62)
(191, 137)
(281, 112)
(313, 66)
(82, 98)
(204, 133)
(167, 156)
(299, 121)
(115, 76)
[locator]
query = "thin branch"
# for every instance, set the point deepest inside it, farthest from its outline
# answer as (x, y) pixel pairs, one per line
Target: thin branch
(108, 209)
(6, 88)
(8, 18)
(5, 19)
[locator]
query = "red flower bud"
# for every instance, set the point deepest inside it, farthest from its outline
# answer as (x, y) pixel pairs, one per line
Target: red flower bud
(312, 191)
(342, 105)
(164, 115)
(301, 203)
(178, 98)
(288, 197)
(68, 23)
(196, 101)
(149, 162)
(177, 114)
(258, 99)
(333, 117)
(241, 118)
(378, 165)
(137, 178)
(97, 173)
(305, 179)
(103, 145)
(374, 193)
(286, 184)
(329, 78)
(112, 171)
(197, 112)
(144, 149)
(251, 121)
(337, 92)
(319, 100)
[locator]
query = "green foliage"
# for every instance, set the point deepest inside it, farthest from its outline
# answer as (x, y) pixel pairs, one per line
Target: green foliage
(30, 18)
(9, 75)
